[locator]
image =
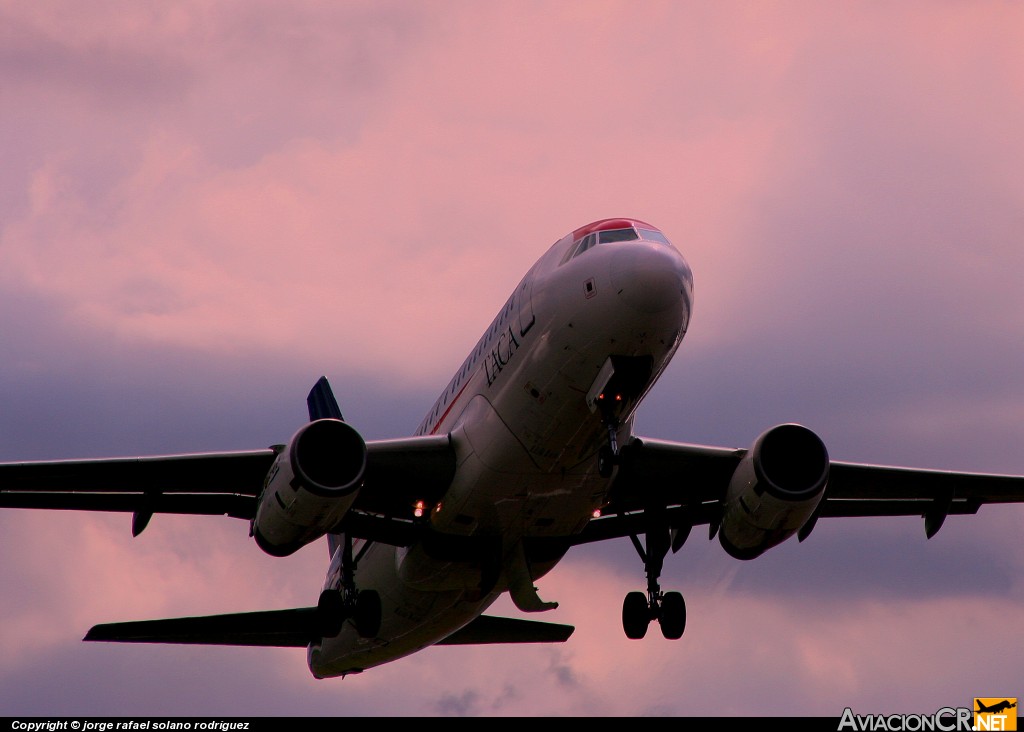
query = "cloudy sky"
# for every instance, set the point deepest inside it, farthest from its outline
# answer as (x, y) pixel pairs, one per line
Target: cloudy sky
(204, 207)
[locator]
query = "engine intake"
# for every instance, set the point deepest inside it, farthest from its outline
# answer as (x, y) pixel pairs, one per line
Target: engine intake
(310, 487)
(774, 490)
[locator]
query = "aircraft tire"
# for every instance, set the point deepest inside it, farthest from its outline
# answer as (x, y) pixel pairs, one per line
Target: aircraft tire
(673, 616)
(635, 615)
(330, 614)
(368, 613)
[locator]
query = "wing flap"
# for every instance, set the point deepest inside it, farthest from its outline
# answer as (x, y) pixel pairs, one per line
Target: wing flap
(201, 504)
(855, 508)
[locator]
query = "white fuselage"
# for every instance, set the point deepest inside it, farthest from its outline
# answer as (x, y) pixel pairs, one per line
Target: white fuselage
(525, 438)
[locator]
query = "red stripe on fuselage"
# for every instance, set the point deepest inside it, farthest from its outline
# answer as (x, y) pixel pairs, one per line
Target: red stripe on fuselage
(434, 431)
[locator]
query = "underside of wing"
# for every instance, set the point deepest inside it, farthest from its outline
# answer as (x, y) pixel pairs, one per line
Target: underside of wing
(488, 629)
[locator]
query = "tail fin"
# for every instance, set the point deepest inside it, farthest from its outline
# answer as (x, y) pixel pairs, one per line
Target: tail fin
(321, 402)
(323, 405)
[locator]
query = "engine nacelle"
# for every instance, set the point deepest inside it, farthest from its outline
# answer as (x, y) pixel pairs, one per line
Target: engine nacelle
(310, 487)
(774, 490)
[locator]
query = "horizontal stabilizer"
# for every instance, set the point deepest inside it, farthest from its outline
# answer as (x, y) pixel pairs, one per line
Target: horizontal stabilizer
(493, 629)
(294, 628)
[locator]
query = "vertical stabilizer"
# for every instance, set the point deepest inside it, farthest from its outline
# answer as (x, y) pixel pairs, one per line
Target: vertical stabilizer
(321, 402)
(323, 405)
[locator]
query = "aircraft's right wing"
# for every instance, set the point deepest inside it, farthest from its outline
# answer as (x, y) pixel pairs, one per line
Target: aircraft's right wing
(398, 474)
(211, 484)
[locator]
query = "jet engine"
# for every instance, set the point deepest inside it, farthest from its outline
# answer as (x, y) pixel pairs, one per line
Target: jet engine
(774, 490)
(311, 485)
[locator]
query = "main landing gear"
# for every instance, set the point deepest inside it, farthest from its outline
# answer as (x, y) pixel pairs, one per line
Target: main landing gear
(362, 607)
(668, 608)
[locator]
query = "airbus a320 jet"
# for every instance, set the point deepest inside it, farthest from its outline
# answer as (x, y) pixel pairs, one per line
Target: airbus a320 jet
(528, 451)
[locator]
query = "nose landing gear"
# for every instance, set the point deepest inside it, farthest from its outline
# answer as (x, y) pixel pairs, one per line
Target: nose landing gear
(620, 382)
(608, 455)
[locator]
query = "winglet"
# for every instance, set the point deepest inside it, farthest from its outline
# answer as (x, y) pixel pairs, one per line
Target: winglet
(321, 402)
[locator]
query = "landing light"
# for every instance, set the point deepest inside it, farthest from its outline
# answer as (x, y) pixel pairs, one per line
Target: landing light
(596, 513)
(418, 509)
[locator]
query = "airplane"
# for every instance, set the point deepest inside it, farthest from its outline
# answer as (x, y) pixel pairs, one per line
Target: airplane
(995, 708)
(528, 451)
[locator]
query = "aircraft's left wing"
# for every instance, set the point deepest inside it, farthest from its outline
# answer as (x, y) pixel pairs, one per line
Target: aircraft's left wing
(398, 473)
(689, 483)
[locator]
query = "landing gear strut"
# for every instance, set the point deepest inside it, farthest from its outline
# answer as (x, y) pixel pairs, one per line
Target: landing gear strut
(668, 608)
(362, 606)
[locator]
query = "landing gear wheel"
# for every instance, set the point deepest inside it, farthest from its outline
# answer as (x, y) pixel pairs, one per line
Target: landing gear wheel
(673, 616)
(330, 614)
(367, 613)
(635, 615)
(605, 462)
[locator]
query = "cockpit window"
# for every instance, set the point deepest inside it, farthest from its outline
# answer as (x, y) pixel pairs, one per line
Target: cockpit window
(603, 237)
(649, 235)
(585, 243)
(618, 235)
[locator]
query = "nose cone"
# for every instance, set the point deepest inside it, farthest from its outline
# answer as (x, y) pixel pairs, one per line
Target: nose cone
(651, 278)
